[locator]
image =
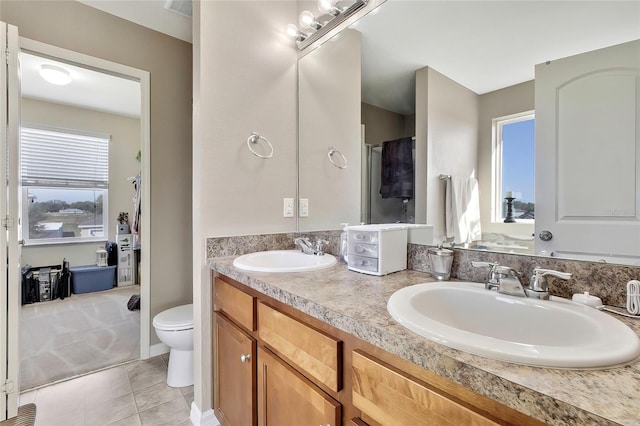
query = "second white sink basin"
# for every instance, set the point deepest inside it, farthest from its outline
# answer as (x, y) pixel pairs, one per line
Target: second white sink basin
(283, 261)
(549, 333)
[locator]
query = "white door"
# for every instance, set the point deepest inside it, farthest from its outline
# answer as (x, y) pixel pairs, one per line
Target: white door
(10, 279)
(588, 155)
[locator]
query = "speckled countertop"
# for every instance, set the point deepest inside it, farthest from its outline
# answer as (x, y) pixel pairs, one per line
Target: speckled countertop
(356, 303)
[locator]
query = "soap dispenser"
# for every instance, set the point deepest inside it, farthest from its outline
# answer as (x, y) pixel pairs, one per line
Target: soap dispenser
(344, 243)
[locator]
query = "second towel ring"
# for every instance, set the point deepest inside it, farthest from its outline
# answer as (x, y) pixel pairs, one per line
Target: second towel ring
(332, 151)
(253, 139)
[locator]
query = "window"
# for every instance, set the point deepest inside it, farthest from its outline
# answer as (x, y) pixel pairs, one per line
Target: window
(65, 179)
(513, 166)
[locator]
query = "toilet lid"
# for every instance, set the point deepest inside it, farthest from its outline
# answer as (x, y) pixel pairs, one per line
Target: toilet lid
(178, 318)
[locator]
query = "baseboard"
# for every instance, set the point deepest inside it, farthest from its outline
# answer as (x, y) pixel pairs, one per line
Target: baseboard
(199, 418)
(158, 349)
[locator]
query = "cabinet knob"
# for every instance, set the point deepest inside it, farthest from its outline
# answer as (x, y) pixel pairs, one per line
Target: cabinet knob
(245, 358)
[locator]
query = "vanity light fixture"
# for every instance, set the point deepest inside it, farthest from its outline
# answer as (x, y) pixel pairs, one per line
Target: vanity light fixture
(308, 20)
(55, 75)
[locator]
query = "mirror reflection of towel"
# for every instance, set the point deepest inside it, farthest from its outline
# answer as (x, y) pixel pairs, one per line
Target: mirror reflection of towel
(397, 169)
(462, 210)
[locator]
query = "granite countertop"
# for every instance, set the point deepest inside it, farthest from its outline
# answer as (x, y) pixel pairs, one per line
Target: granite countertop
(357, 304)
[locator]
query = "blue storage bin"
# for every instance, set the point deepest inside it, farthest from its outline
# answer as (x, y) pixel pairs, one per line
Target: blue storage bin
(89, 278)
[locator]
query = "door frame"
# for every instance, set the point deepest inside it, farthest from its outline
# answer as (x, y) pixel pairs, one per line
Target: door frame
(109, 67)
(9, 251)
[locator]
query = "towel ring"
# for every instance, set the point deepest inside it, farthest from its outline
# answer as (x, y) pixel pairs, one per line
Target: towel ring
(253, 139)
(332, 151)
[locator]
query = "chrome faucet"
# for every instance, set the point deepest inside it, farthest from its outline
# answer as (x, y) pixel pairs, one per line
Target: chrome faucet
(503, 279)
(307, 247)
(509, 281)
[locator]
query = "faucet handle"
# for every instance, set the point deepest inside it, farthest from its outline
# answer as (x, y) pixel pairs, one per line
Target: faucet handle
(542, 272)
(477, 264)
(496, 271)
(319, 246)
(538, 282)
(299, 240)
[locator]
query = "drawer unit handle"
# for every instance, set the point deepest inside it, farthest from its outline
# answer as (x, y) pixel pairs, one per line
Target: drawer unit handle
(245, 358)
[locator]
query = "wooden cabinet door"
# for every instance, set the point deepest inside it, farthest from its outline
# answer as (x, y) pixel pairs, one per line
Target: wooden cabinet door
(288, 399)
(234, 374)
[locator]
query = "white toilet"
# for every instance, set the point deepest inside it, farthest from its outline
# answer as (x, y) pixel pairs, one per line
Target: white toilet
(174, 327)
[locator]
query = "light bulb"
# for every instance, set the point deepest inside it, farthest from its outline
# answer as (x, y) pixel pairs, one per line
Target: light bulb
(292, 30)
(307, 20)
(328, 7)
(55, 75)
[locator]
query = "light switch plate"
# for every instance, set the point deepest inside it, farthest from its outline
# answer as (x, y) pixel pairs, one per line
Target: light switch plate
(304, 207)
(288, 208)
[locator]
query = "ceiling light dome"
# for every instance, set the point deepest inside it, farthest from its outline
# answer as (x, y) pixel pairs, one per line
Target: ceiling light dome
(55, 75)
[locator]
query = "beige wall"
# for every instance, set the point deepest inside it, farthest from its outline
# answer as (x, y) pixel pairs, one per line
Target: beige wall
(382, 125)
(245, 81)
(500, 103)
(77, 27)
(446, 140)
(123, 148)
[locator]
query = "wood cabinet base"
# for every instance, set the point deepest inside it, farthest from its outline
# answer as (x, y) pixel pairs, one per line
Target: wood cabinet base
(350, 381)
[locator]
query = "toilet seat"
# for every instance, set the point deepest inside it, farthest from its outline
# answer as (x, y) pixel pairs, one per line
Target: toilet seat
(175, 319)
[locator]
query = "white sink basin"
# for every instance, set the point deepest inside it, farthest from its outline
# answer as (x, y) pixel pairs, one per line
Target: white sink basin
(283, 261)
(547, 333)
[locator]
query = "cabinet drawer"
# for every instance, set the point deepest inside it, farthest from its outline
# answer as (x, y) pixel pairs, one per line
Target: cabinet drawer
(390, 397)
(369, 237)
(364, 263)
(315, 354)
(370, 250)
(237, 304)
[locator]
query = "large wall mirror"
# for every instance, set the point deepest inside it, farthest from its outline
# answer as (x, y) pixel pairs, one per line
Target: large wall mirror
(534, 101)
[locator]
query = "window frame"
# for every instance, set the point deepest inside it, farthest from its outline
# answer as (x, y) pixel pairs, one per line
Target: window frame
(89, 186)
(496, 163)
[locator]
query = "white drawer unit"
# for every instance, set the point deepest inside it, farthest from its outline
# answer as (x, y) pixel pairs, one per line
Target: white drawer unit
(377, 249)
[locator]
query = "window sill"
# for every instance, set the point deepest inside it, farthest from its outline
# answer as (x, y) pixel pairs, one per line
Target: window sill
(63, 241)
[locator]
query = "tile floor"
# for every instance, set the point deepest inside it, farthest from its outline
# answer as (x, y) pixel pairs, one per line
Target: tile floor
(82, 333)
(132, 394)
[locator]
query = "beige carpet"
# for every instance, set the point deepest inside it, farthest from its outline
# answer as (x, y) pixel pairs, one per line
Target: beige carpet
(26, 417)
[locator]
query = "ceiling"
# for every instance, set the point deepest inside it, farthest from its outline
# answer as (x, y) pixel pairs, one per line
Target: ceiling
(483, 45)
(88, 89)
(100, 91)
(151, 14)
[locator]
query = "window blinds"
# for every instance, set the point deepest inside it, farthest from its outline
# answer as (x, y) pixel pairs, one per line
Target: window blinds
(63, 159)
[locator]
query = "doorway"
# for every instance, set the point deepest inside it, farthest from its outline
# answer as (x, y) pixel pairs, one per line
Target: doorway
(93, 329)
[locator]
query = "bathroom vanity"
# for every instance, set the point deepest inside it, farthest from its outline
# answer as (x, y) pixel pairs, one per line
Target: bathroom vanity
(320, 348)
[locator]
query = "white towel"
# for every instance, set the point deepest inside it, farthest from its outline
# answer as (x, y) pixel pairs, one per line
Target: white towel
(462, 210)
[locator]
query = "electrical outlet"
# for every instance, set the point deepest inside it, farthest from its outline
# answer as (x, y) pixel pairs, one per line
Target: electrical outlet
(304, 207)
(288, 208)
